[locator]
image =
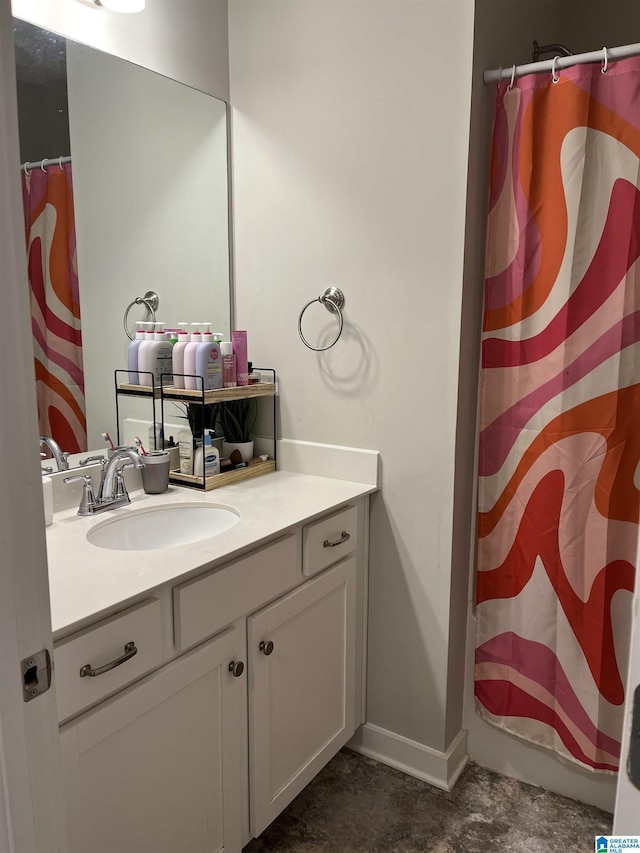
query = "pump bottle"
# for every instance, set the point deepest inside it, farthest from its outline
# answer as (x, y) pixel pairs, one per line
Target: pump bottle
(177, 356)
(132, 353)
(190, 382)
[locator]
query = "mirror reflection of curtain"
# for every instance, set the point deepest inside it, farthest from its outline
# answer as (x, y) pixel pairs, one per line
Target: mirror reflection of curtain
(55, 305)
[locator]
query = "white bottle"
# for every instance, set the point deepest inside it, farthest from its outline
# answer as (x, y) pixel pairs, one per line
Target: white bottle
(211, 457)
(209, 361)
(132, 353)
(178, 355)
(185, 449)
(190, 382)
(143, 356)
(198, 459)
(158, 355)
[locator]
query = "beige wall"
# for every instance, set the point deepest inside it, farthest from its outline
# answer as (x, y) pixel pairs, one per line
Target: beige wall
(351, 126)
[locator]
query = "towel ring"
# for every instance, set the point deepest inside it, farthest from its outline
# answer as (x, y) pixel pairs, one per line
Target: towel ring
(333, 300)
(150, 300)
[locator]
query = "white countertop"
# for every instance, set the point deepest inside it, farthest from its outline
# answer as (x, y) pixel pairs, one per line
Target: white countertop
(87, 582)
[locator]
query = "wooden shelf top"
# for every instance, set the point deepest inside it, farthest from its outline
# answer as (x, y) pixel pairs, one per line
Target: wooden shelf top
(138, 390)
(260, 389)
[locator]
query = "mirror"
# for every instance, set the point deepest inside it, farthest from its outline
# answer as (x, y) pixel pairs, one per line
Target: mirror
(150, 200)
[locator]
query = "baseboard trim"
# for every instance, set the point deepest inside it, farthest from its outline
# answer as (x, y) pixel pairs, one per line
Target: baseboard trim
(441, 769)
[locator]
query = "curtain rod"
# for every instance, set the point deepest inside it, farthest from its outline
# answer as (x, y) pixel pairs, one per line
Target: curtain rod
(44, 163)
(613, 53)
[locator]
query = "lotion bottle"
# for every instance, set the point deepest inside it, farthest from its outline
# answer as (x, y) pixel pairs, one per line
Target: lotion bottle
(190, 382)
(209, 362)
(161, 354)
(132, 353)
(144, 367)
(185, 449)
(177, 356)
(211, 457)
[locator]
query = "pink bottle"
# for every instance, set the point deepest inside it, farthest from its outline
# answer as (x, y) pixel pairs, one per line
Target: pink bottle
(239, 342)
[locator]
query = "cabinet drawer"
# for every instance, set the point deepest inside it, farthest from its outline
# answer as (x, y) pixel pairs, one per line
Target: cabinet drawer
(103, 644)
(206, 605)
(329, 540)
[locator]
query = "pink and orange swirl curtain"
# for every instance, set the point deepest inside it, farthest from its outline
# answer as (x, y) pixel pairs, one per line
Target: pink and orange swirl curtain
(55, 305)
(560, 411)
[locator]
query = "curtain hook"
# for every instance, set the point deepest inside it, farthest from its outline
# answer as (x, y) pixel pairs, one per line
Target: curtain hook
(554, 74)
(605, 67)
(60, 164)
(513, 77)
(25, 170)
(43, 165)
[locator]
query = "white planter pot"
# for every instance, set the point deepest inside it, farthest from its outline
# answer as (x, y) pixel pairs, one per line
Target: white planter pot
(245, 448)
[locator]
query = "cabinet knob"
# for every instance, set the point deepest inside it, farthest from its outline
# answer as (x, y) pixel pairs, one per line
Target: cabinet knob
(266, 647)
(236, 668)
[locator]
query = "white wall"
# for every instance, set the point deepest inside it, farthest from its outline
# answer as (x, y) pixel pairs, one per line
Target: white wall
(150, 192)
(351, 126)
(182, 39)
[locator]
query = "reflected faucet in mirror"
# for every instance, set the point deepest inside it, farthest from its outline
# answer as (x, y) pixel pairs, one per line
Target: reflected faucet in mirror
(61, 459)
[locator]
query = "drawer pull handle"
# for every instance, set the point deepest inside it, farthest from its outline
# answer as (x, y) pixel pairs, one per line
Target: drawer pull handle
(236, 668)
(129, 651)
(266, 647)
(344, 537)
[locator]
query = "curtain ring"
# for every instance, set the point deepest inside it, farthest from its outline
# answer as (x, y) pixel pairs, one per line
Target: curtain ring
(60, 164)
(554, 74)
(43, 165)
(499, 75)
(25, 170)
(333, 300)
(513, 77)
(605, 67)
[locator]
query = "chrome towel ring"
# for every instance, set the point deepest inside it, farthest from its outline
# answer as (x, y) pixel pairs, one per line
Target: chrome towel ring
(150, 300)
(333, 300)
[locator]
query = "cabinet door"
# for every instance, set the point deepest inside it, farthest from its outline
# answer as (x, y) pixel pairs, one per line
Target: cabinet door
(301, 690)
(144, 771)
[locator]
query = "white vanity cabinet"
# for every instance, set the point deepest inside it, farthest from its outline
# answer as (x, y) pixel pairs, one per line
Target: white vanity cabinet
(301, 656)
(145, 771)
(258, 683)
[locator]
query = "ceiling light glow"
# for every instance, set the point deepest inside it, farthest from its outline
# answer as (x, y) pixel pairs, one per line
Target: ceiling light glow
(122, 5)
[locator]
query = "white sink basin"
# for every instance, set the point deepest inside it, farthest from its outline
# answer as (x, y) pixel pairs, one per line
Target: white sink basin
(164, 526)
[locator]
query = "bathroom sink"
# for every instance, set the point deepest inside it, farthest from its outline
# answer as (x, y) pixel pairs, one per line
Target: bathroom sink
(162, 527)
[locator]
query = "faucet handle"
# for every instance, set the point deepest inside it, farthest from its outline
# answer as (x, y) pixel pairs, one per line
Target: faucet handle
(120, 492)
(88, 500)
(91, 459)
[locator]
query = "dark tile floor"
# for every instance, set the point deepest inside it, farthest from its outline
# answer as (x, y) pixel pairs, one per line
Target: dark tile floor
(356, 805)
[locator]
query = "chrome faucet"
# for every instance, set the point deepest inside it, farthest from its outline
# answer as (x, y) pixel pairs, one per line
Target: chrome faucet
(60, 457)
(112, 492)
(112, 486)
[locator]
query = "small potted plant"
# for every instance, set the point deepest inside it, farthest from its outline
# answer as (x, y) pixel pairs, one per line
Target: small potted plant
(200, 417)
(237, 419)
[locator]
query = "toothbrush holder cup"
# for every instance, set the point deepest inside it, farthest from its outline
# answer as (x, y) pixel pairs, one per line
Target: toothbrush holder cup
(155, 474)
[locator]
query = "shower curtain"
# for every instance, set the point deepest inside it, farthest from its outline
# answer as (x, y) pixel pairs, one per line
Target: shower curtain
(560, 411)
(55, 305)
